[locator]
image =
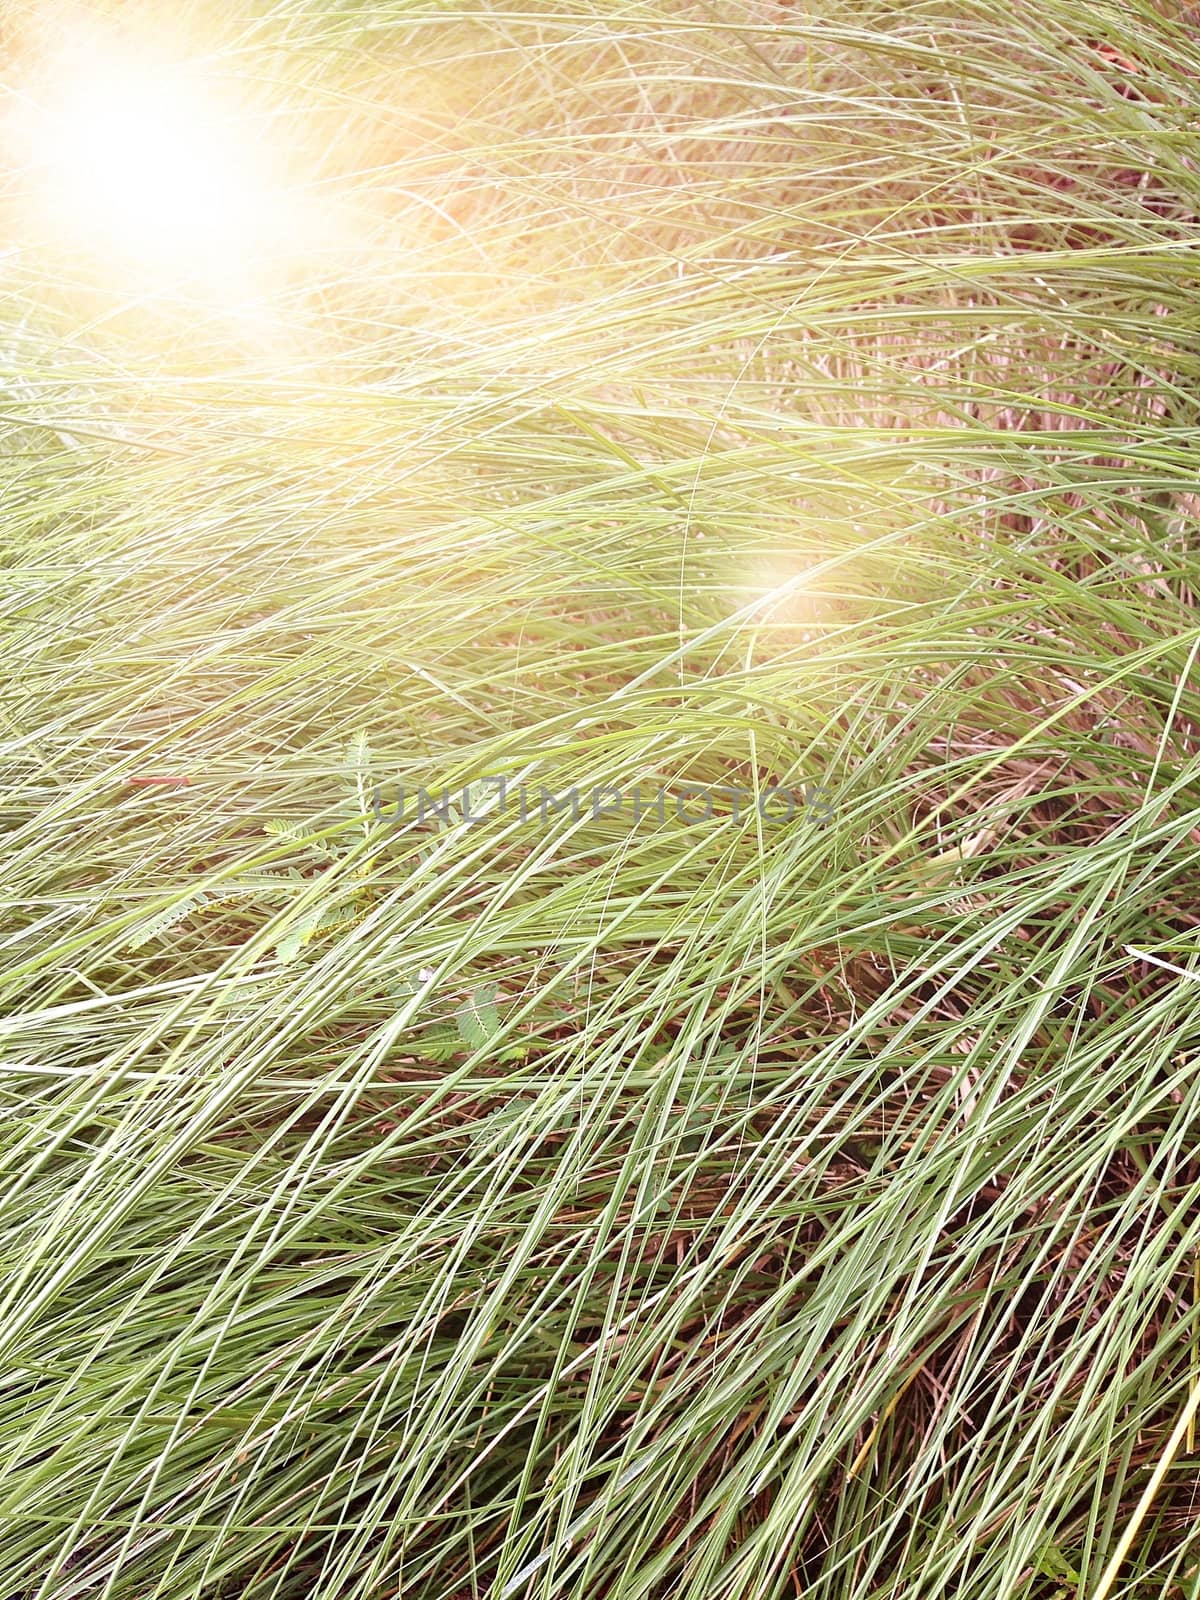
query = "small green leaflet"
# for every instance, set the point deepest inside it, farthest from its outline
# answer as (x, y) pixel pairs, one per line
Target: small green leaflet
(163, 921)
(478, 1019)
(308, 926)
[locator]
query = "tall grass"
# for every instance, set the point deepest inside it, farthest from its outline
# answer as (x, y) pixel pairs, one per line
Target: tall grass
(736, 394)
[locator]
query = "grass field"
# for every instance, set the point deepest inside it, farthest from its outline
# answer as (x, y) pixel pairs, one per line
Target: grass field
(700, 408)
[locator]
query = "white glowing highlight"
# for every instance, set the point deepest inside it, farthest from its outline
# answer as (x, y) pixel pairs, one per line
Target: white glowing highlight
(144, 164)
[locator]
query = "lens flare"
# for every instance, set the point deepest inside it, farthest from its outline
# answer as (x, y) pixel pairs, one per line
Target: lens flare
(147, 167)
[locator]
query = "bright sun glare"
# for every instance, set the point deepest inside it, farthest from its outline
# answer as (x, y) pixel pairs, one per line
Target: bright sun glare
(144, 164)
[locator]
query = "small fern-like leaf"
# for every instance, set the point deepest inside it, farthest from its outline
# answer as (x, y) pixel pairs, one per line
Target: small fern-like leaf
(478, 1019)
(278, 829)
(292, 834)
(358, 752)
(299, 934)
(163, 921)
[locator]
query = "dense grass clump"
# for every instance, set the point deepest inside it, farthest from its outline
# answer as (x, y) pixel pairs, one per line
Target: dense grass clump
(672, 396)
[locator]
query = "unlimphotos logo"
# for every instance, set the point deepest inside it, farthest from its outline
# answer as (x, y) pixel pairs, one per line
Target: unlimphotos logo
(490, 797)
